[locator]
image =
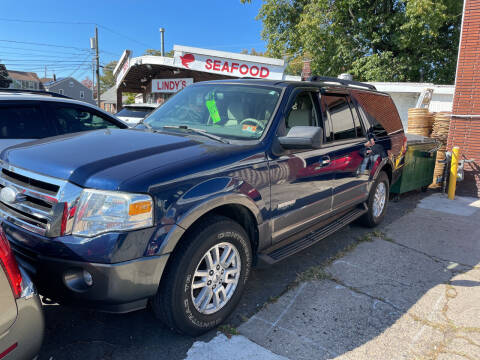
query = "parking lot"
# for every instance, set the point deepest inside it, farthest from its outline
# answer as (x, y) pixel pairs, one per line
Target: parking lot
(79, 334)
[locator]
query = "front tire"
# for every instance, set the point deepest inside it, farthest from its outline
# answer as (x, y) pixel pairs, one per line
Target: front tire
(205, 278)
(377, 201)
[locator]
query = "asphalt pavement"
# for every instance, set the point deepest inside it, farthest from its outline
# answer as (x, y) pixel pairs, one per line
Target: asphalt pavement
(73, 333)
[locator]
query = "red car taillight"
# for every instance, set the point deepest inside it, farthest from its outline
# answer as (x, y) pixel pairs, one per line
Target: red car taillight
(9, 264)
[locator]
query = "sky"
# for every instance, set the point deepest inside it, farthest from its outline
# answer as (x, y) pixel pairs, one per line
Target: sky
(30, 28)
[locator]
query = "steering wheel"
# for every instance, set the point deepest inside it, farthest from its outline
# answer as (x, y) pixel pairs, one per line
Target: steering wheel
(254, 122)
(191, 114)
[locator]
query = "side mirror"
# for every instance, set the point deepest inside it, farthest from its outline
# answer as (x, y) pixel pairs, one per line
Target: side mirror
(302, 137)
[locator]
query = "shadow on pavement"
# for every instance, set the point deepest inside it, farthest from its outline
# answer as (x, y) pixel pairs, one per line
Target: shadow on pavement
(80, 334)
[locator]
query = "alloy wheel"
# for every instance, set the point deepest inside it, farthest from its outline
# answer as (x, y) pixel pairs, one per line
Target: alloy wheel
(216, 277)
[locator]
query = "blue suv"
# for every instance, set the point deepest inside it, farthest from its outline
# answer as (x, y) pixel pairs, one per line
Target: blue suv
(177, 210)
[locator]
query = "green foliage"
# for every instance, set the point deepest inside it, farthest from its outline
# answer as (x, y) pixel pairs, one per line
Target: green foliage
(130, 98)
(158, 52)
(375, 40)
(4, 80)
(252, 52)
(107, 80)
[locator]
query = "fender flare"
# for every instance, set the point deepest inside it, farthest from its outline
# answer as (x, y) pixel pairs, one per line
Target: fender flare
(184, 223)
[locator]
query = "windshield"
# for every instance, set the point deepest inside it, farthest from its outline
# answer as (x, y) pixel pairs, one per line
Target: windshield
(227, 110)
(135, 113)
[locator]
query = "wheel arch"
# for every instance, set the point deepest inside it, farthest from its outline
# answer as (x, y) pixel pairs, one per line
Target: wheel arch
(237, 207)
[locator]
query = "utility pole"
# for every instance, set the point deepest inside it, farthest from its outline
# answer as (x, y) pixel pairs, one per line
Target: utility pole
(162, 39)
(98, 66)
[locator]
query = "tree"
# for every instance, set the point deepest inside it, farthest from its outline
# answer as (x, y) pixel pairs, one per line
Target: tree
(253, 52)
(107, 80)
(375, 40)
(158, 52)
(130, 98)
(4, 80)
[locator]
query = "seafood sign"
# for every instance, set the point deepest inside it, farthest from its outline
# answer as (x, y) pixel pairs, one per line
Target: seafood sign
(229, 64)
(187, 59)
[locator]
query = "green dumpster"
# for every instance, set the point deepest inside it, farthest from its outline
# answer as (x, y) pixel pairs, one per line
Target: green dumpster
(417, 172)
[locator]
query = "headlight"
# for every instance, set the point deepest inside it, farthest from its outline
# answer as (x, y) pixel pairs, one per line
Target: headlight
(104, 211)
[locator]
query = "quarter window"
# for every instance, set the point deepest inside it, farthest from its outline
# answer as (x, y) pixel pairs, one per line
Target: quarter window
(23, 122)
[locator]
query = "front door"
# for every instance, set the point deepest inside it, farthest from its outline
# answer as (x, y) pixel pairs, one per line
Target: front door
(301, 180)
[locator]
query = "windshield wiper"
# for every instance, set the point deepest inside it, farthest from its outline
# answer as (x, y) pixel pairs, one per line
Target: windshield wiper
(197, 131)
(147, 125)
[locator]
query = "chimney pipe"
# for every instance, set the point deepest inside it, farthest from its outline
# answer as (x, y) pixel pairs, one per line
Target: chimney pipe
(54, 77)
(162, 38)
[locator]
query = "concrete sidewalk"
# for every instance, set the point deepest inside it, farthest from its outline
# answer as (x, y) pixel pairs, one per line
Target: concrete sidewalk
(410, 290)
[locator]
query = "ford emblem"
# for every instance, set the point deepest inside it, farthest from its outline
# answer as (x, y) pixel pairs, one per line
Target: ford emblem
(8, 195)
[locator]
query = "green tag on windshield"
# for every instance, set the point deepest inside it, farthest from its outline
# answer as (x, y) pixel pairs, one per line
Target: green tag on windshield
(212, 109)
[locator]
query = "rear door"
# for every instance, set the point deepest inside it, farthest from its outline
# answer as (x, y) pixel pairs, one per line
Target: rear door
(24, 120)
(351, 153)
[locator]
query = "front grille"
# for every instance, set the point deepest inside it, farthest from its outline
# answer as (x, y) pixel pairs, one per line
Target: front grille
(42, 202)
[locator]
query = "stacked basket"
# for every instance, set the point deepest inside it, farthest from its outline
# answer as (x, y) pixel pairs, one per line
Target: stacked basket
(420, 121)
(441, 125)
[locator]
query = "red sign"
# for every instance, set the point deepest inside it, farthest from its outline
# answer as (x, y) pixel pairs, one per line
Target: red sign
(170, 85)
(232, 67)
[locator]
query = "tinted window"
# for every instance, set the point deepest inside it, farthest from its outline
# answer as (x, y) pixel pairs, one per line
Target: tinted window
(341, 117)
(135, 113)
(302, 112)
(357, 122)
(70, 119)
(380, 111)
(25, 122)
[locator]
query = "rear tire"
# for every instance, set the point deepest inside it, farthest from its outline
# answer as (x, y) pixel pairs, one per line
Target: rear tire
(377, 201)
(199, 291)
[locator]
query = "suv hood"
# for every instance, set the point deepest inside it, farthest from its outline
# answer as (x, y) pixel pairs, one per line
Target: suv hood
(111, 158)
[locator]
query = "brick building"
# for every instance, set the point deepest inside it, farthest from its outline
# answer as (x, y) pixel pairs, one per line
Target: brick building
(465, 124)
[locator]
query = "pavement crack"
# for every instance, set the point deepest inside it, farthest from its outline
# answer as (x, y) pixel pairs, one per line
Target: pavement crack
(432, 257)
(373, 297)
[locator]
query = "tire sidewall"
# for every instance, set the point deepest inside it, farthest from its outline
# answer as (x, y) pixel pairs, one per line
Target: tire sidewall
(185, 312)
(382, 177)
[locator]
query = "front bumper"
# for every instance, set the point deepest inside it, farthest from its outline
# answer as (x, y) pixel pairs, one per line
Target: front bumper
(119, 288)
(57, 269)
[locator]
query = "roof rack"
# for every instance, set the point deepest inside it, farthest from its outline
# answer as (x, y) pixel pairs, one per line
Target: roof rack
(341, 81)
(35, 92)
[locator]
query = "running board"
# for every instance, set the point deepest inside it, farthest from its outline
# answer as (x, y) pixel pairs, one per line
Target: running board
(280, 253)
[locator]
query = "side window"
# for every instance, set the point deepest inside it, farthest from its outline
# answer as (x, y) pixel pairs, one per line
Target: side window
(302, 112)
(73, 119)
(60, 91)
(341, 117)
(23, 122)
(82, 94)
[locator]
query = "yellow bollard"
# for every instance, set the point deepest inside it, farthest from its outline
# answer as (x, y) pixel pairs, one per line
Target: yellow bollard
(452, 184)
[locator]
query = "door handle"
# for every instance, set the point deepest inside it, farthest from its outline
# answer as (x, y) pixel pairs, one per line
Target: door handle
(325, 160)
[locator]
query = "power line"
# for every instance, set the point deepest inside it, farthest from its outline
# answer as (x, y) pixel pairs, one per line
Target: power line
(78, 68)
(122, 35)
(43, 51)
(75, 23)
(43, 44)
(47, 21)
